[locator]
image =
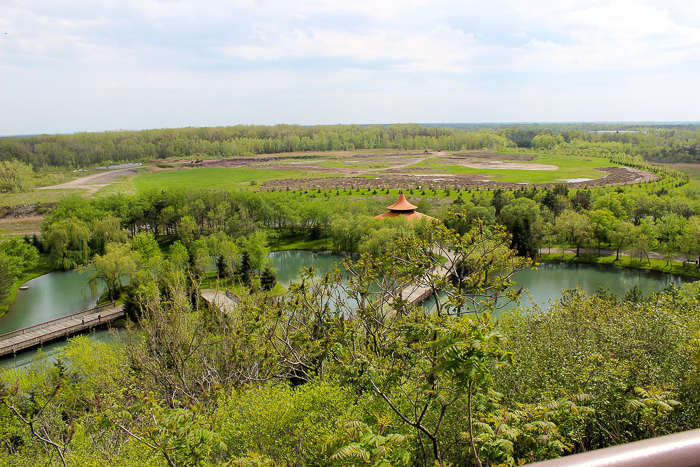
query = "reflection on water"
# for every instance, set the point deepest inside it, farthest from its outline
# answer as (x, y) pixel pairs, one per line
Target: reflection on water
(288, 263)
(50, 296)
(61, 293)
(548, 280)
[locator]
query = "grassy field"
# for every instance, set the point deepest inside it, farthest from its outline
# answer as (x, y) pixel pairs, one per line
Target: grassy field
(20, 226)
(214, 178)
(569, 167)
(38, 196)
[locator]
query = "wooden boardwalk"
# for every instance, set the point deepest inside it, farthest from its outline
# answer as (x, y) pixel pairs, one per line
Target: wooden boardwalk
(416, 293)
(37, 335)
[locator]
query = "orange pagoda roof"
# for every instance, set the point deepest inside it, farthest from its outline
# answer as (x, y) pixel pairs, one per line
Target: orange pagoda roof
(402, 205)
(402, 208)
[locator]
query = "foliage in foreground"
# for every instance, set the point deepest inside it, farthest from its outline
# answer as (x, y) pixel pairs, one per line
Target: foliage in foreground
(344, 371)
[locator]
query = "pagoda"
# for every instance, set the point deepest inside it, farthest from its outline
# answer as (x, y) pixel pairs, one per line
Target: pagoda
(403, 208)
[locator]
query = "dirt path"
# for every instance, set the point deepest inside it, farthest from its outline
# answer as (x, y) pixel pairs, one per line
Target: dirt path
(92, 183)
(412, 162)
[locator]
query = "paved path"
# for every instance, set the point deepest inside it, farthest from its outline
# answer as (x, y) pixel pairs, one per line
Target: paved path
(39, 334)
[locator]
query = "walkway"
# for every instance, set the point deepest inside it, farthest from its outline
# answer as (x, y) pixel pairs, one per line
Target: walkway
(224, 300)
(37, 335)
(416, 293)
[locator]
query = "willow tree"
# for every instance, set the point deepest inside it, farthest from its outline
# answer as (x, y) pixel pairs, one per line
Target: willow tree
(112, 268)
(68, 241)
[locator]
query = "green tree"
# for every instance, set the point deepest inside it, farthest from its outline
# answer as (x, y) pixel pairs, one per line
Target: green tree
(602, 223)
(668, 231)
(257, 248)
(690, 239)
(645, 238)
(575, 228)
(19, 256)
(621, 236)
(112, 268)
(179, 256)
(106, 230)
(6, 277)
(268, 279)
(15, 176)
(519, 217)
(67, 240)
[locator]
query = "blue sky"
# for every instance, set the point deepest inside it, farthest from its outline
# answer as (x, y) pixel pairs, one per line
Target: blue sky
(68, 66)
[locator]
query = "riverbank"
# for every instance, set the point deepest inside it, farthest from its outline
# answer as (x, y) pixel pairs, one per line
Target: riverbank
(690, 271)
(42, 267)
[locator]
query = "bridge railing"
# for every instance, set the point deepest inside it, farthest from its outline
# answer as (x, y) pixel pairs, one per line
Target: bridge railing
(19, 332)
(676, 450)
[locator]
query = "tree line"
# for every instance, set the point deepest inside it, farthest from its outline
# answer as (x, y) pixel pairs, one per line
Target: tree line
(651, 142)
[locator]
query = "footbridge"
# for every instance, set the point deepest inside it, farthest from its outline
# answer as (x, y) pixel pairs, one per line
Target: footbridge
(63, 327)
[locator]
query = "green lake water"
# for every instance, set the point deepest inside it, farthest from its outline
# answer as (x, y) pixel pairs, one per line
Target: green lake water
(61, 293)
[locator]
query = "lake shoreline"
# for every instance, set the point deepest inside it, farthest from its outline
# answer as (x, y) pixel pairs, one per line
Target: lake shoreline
(675, 268)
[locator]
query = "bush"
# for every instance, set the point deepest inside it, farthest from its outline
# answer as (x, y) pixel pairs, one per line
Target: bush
(288, 425)
(584, 343)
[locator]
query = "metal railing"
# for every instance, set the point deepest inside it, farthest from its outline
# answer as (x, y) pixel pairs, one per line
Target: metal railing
(19, 332)
(677, 450)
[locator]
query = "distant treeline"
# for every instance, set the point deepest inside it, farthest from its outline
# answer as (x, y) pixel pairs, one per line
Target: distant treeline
(652, 142)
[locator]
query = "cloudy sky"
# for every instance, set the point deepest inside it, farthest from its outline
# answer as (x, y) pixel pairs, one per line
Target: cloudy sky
(96, 65)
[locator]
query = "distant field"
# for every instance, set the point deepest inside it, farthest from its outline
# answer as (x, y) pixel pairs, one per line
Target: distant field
(215, 178)
(569, 167)
(404, 169)
(692, 170)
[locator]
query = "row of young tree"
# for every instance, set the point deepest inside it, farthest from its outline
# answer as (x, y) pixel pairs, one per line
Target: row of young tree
(341, 370)
(631, 218)
(653, 142)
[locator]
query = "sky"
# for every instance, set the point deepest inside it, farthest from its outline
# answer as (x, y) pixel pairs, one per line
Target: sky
(100, 65)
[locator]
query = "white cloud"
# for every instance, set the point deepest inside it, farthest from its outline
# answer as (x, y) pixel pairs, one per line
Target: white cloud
(425, 58)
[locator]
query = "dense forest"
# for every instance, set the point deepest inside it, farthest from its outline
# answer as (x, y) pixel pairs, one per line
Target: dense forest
(672, 143)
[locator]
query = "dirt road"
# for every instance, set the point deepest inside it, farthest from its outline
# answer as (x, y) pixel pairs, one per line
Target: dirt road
(92, 183)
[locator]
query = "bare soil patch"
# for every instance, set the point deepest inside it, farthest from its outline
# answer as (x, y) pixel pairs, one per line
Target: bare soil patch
(500, 165)
(438, 181)
(376, 155)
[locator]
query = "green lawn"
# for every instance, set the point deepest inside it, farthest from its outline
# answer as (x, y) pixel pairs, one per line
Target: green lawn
(215, 178)
(569, 167)
(38, 196)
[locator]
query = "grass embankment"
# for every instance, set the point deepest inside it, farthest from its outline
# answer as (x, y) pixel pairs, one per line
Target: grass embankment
(658, 265)
(42, 267)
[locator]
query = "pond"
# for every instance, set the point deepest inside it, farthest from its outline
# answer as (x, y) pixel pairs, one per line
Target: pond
(60, 293)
